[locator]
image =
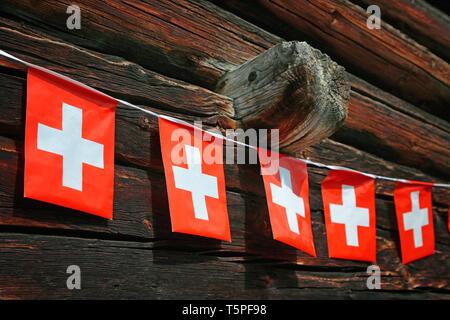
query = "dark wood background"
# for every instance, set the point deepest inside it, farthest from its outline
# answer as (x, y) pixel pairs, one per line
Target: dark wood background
(167, 56)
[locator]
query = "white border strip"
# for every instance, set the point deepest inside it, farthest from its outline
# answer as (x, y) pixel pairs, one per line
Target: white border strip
(179, 121)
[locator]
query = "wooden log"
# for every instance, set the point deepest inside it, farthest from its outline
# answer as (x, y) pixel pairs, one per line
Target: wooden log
(381, 133)
(110, 74)
(184, 40)
(133, 83)
(419, 20)
(385, 56)
(366, 89)
(131, 270)
(20, 40)
(291, 87)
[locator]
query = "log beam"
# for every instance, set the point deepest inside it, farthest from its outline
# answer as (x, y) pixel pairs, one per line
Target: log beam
(131, 270)
(419, 20)
(137, 141)
(291, 87)
(385, 57)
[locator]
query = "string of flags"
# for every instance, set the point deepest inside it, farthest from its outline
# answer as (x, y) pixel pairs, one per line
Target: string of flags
(69, 161)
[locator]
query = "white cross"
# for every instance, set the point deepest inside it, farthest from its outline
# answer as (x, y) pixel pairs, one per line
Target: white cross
(286, 198)
(70, 144)
(350, 215)
(199, 184)
(416, 219)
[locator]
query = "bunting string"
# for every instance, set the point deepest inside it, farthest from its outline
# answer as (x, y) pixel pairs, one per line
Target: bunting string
(185, 123)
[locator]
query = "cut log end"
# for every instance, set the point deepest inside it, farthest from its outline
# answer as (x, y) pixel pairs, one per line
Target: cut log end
(291, 87)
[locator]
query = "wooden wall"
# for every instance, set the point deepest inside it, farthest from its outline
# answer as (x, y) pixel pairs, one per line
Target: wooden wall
(167, 56)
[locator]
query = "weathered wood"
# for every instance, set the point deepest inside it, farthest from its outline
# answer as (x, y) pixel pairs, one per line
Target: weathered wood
(385, 56)
(368, 90)
(141, 211)
(135, 84)
(291, 87)
(187, 40)
(111, 74)
(397, 134)
(136, 271)
(151, 261)
(419, 20)
(18, 38)
(137, 142)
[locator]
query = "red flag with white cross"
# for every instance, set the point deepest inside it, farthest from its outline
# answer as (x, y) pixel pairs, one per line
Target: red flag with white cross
(287, 194)
(193, 166)
(415, 220)
(69, 145)
(349, 208)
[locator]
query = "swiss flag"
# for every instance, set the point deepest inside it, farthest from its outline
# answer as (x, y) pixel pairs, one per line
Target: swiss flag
(349, 207)
(193, 166)
(69, 145)
(415, 220)
(287, 194)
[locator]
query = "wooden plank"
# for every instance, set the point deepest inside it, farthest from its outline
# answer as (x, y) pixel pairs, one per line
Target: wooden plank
(394, 135)
(419, 20)
(135, 84)
(384, 56)
(132, 211)
(130, 270)
(185, 39)
(329, 152)
(366, 89)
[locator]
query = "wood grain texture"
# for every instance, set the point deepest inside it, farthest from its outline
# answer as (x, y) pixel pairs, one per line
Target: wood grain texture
(384, 125)
(419, 20)
(130, 270)
(386, 57)
(141, 212)
(187, 40)
(137, 141)
(133, 83)
(291, 87)
(123, 50)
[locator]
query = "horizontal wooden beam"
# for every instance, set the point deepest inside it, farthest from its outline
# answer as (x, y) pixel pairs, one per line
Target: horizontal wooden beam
(419, 20)
(130, 270)
(140, 208)
(137, 141)
(124, 79)
(184, 40)
(384, 56)
(373, 125)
